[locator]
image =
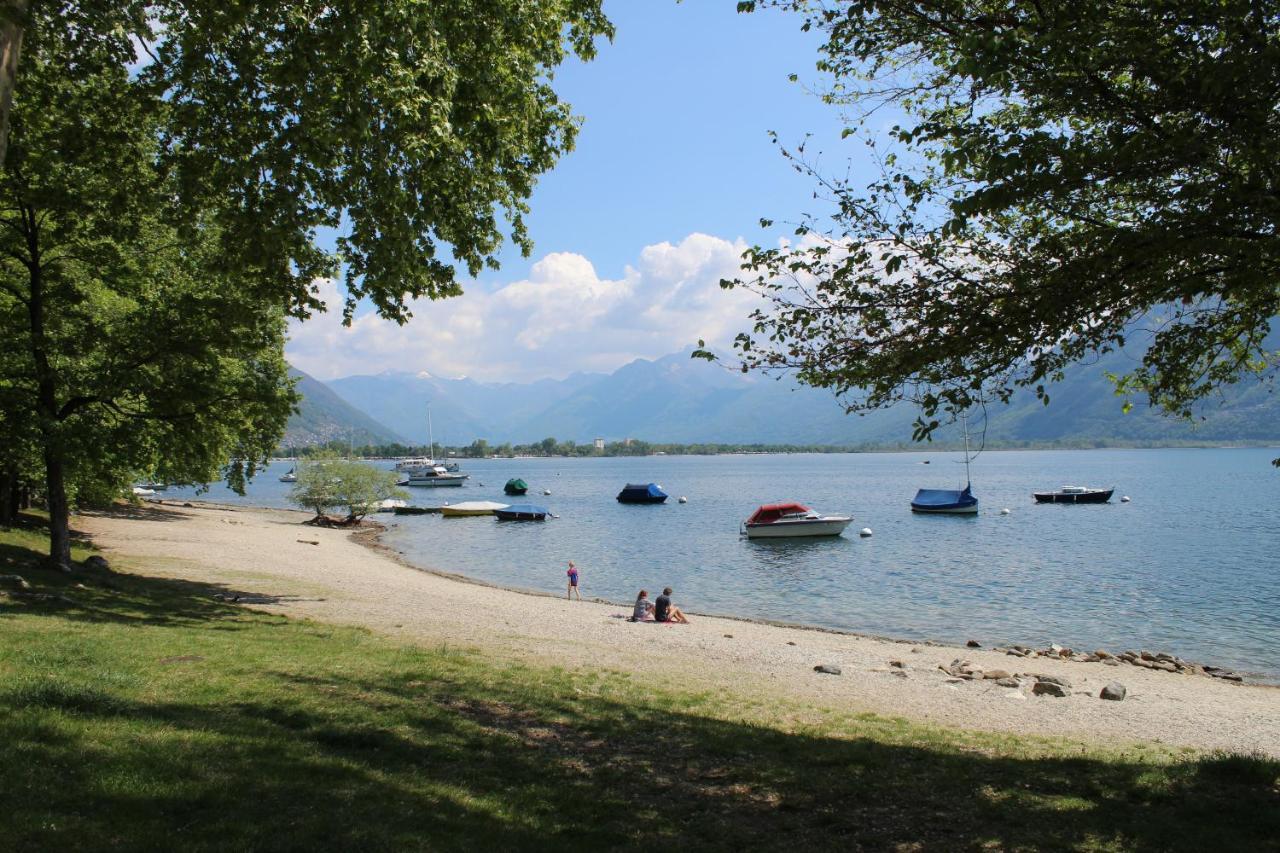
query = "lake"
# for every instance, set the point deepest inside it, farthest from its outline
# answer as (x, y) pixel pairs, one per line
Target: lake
(1190, 566)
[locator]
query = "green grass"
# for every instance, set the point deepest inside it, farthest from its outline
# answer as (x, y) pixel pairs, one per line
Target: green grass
(141, 713)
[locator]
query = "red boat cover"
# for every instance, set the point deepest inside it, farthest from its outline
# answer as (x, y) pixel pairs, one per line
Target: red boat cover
(770, 513)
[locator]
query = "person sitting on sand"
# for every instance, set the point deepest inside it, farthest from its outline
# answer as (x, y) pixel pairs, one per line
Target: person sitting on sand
(665, 611)
(643, 608)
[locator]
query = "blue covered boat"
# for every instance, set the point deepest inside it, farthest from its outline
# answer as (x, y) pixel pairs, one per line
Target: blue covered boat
(646, 493)
(954, 501)
(522, 512)
(949, 501)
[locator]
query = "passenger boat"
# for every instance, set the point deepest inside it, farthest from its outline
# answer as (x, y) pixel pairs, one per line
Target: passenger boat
(1075, 495)
(773, 521)
(471, 508)
(643, 493)
(949, 501)
(515, 486)
(522, 512)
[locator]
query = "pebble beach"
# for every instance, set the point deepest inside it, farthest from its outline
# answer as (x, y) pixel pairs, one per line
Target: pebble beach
(269, 560)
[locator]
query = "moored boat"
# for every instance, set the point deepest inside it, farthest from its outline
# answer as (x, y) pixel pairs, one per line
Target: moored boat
(471, 508)
(515, 486)
(949, 501)
(433, 475)
(945, 501)
(642, 493)
(290, 476)
(522, 512)
(774, 521)
(1075, 495)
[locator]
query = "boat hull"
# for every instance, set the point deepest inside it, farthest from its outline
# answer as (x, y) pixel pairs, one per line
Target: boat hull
(1094, 496)
(508, 515)
(435, 481)
(832, 526)
(970, 509)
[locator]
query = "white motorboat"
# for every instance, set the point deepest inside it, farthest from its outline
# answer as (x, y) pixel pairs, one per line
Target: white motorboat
(775, 521)
(433, 475)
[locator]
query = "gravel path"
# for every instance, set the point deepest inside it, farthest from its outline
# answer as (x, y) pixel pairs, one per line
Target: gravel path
(268, 555)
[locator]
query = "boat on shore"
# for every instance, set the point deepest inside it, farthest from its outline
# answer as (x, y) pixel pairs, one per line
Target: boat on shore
(522, 512)
(415, 510)
(642, 493)
(1075, 495)
(467, 508)
(775, 521)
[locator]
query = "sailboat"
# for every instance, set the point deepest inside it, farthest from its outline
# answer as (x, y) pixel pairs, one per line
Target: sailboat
(429, 472)
(949, 501)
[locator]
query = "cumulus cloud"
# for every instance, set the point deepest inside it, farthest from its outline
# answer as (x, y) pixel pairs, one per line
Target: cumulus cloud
(563, 318)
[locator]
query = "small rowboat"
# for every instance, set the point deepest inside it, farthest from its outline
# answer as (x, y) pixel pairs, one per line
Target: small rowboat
(471, 508)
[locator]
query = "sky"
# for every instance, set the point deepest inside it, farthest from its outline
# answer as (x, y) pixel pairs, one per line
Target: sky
(633, 230)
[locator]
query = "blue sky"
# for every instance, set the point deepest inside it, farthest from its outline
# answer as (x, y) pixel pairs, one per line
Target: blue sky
(672, 172)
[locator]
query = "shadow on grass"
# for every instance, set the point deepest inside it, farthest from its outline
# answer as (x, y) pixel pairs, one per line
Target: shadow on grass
(301, 739)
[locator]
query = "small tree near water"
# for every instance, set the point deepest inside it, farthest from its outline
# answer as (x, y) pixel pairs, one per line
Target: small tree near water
(328, 483)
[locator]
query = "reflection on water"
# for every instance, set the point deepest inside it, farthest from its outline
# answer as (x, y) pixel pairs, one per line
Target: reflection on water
(1191, 566)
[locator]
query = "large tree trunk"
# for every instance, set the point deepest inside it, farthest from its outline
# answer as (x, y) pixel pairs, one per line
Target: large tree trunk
(59, 512)
(13, 14)
(9, 497)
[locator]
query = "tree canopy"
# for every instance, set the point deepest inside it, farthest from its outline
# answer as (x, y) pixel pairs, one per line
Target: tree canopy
(414, 131)
(326, 482)
(127, 348)
(1061, 178)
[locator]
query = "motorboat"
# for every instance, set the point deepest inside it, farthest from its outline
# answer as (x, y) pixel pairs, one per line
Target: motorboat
(945, 501)
(774, 521)
(515, 486)
(433, 475)
(522, 512)
(949, 501)
(391, 504)
(643, 493)
(471, 508)
(143, 492)
(1075, 495)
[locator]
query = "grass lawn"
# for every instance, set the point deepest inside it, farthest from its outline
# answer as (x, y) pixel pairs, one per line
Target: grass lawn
(140, 713)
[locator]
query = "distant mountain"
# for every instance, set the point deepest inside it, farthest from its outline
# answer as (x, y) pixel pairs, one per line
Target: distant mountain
(678, 399)
(323, 416)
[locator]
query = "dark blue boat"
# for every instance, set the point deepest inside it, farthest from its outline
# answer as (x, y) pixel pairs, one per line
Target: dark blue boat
(953, 501)
(522, 512)
(645, 493)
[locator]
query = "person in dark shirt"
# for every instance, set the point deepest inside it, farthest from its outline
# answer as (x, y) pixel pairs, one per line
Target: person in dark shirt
(665, 611)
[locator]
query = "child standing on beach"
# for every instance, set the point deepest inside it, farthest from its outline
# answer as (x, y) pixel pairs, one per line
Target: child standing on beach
(573, 582)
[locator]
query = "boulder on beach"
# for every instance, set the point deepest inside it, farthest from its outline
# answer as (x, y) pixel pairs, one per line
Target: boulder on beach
(828, 668)
(1114, 691)
(1048, 688)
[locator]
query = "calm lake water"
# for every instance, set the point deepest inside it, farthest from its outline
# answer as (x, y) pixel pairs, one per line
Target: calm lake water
(1190, 566)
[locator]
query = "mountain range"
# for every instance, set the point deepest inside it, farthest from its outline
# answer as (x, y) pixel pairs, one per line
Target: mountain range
(682, 400)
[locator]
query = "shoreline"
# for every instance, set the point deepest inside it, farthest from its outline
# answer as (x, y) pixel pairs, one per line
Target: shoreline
(370, 536)
(273, 563)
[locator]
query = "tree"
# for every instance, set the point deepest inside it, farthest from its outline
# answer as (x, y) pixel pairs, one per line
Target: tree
(410, 128)
(327, 482)
(127, 347)
(1064, 177)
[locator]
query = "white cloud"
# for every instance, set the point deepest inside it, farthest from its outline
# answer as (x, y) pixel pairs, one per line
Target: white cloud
(563, 318)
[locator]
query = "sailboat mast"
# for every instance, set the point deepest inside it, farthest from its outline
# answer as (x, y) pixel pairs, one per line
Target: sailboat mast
(967, 480)
(431, 435)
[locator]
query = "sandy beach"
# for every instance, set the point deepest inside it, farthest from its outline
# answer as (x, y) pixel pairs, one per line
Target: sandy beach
(268, 557)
